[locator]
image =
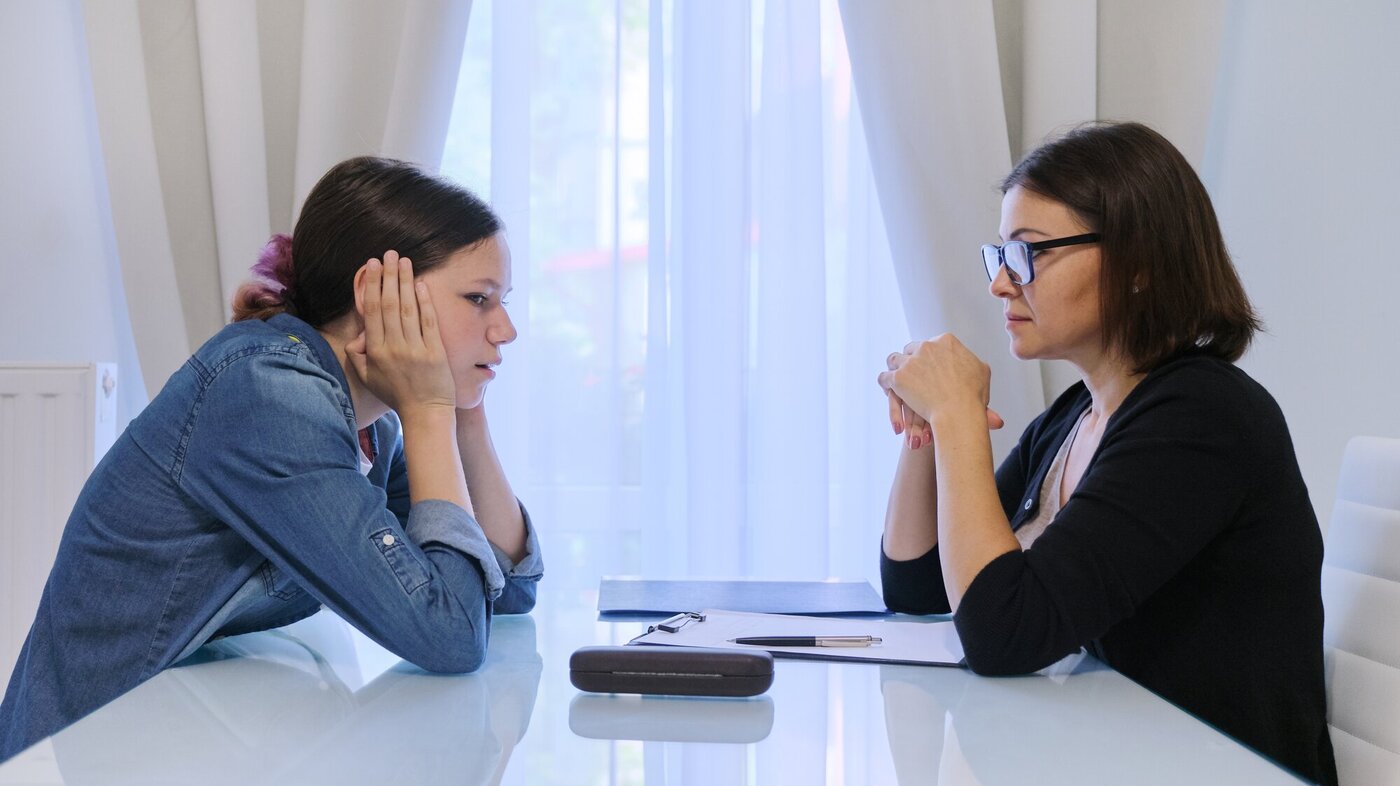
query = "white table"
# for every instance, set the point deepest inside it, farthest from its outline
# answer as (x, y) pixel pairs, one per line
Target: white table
(318, 703)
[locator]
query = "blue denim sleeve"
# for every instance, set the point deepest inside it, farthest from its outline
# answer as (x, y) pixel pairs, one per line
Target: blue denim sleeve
(523, 577)
(271, 453)
(511, 585)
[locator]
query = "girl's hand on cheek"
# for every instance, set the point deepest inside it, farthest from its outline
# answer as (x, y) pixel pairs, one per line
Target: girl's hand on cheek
(400, 356)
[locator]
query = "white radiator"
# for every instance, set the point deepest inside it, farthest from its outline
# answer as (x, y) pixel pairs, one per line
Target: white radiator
(56, 421)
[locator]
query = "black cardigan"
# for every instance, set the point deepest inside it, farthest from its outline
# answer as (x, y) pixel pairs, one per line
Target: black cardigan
(1188, 558)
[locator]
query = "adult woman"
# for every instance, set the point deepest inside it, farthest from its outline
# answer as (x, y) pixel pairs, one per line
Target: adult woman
(329, 447)
(1155, 512)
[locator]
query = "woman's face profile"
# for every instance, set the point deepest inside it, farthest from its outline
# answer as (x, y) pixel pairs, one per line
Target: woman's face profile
(1056, 316)
(467, 291)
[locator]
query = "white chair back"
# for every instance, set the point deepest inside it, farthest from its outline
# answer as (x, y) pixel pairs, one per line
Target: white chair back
(1361, 593)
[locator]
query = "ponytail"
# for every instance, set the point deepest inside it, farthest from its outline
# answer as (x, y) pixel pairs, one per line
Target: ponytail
(270, 291)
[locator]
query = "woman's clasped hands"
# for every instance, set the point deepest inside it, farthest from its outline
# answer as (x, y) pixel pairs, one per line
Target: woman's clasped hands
(400, 355)
(936, 378)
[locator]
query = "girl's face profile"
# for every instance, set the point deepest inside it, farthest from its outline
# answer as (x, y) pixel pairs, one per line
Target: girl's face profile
(1056, 316)
(468, 292)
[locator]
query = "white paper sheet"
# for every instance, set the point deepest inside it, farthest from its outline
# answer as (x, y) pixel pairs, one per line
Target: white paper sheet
(906, 642)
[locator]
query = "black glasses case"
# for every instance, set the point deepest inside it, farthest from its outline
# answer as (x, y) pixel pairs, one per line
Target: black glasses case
(671, 671)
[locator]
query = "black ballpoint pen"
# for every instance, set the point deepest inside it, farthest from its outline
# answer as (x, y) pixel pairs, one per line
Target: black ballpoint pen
(808, 641)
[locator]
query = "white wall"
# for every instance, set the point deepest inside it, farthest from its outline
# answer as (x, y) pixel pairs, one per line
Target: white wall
(1288, 108)
(1302, 160)
(1158, 64)
(1067, 61)
(62, 297)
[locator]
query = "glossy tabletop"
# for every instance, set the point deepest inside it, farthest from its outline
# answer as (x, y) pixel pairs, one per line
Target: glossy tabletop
(318, 703)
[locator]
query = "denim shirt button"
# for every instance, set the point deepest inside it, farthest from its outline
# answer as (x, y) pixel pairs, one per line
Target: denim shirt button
(388, 540)
(1028, 507)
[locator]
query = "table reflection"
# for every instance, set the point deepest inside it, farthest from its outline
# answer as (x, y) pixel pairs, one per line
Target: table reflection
(296, 706)
(671, 718)
(976, 731)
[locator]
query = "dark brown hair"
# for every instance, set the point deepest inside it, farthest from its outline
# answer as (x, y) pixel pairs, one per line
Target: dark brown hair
(358, 210)
(1167, 285)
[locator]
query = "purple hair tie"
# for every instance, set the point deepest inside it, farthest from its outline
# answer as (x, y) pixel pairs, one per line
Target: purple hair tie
(275, 263)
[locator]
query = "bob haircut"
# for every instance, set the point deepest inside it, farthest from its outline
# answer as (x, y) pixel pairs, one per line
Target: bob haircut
(1167, 285)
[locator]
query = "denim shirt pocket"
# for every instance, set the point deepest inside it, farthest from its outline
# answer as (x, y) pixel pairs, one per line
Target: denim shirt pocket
(278, 584)
(406, 564)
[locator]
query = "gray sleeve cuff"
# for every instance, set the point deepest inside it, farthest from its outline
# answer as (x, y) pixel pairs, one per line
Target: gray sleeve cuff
(442, 523)
(530, 566)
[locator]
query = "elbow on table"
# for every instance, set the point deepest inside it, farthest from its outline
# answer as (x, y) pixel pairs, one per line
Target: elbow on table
(909, 594)
(460, 663)
(1006, 622)
(995, 665)
(524, 605)
(458, 657)
(454, 645)
(518, 597)
(924, 599)
(998, 656)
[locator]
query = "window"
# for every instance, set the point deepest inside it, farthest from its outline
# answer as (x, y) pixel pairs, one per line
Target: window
(703, 288)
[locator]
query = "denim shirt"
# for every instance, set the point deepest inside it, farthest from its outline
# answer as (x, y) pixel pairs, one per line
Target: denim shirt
(235, 502)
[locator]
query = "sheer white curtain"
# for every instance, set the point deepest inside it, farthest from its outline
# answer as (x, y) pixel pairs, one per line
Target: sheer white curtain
(216, 117)
(704, 296)
(703, 288)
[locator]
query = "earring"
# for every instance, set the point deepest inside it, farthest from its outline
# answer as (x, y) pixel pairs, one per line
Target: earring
(1136, 289)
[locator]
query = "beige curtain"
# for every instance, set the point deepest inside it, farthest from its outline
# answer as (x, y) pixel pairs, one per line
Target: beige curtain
(929, 82)
(217, 116)
(952, 93)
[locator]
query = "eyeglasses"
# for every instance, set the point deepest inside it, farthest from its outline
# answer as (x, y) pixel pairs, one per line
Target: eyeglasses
(1017, 256)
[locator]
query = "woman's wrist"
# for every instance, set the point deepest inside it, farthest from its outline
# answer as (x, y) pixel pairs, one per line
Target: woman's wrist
(950, 420)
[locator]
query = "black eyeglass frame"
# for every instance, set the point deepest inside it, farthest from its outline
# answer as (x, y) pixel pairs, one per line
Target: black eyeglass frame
(1031, 248)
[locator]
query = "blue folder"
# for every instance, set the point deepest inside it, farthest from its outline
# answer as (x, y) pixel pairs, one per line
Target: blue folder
(617, 596)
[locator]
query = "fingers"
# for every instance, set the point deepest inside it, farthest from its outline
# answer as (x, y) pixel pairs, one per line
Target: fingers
(408, 304)
(940, 340)
(903, 419)
(886, 381)
(391, 302)
(428, 318)
(886, 378)
(994, 420)
(920, 429)
(389, 299)
(400, 356)
(913, 439)
(374, 303)
(900, 414)
(896, 412)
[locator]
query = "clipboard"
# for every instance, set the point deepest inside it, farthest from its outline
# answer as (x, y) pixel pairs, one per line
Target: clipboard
(905, 643)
